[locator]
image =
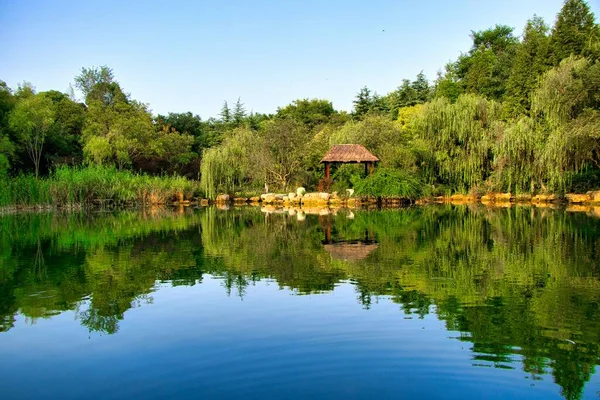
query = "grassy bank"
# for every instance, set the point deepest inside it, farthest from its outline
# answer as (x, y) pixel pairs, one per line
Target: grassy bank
(87, 186)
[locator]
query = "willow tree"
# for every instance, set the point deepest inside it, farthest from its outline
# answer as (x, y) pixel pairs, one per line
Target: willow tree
(517, 156)
(229, 166)
(567, 100)
(459, 137)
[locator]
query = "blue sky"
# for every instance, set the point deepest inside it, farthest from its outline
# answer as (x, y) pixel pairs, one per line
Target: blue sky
(191, 56)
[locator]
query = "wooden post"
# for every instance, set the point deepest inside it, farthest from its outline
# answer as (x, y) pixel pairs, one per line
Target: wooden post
(327, 170)
(371, 167)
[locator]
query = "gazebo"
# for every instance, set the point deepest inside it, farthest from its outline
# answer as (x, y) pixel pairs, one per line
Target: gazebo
(349, 154)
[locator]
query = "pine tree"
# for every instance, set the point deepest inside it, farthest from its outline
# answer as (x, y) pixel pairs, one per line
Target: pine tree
(363, 103)
(575, 32)
(239, 112)
(421, 89)
(225, 113)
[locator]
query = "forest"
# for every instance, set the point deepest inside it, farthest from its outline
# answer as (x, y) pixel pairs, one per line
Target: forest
(517, 112)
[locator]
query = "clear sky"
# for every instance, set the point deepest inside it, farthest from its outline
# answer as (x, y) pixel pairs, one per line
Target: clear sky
(192, 55)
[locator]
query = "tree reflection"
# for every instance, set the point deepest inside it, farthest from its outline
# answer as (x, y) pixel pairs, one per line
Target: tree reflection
(522, 285)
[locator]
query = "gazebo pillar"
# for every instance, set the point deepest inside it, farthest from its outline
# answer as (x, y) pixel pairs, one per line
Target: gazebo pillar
(327, 170)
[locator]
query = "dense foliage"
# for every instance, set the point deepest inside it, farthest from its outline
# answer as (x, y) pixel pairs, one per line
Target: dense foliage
(512, 113)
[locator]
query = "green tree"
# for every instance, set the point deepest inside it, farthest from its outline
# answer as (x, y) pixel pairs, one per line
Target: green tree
(531, 61)
(285, 142)
(486, 68)
(448, 83)
(312, 113)
(32, 119)
(239, 112)
(64, 140)
(7, 148)
(568, 100)
(363, 103)
(575, 32)
(89, 79)
(225, 113)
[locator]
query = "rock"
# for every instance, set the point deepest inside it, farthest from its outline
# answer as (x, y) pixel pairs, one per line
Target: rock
(254, 199)
(594, 196)
(291, 196)
(324, 196)
(300, 191)
(487, 198)
(285, 198)
(300, 216)
(503, 197)
(544, 198)
(204, 202)
(578, 198)
(223, 198)
(523, 197)
(240, 200)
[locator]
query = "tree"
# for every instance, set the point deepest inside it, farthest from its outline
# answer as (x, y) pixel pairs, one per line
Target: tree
(90, 78)
(363, 102)
(531, 61)
(239, 112)
(448, 83)
(7, 148)
(409, 94)
(459, 138)
(225, 113)
(575, 32)
(64, 140)
(285, 141)
(486, 68)
(312, 113)
(32, 119)
(569, 104)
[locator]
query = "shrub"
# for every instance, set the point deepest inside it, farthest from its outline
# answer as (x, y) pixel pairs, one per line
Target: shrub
(388, 183)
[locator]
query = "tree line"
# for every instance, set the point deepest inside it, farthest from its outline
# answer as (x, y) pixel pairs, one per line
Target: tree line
(513, 113)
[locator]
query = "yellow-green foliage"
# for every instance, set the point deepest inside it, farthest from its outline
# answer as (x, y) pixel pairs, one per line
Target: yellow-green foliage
(460, 136)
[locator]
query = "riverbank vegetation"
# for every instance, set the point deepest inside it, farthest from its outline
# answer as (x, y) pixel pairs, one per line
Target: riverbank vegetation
(93, 185)
(514, 113)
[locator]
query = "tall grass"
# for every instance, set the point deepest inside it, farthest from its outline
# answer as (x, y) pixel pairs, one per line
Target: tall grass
(94, 185)
(388, 183)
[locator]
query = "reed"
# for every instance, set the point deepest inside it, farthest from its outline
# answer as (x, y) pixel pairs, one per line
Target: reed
(93, 185)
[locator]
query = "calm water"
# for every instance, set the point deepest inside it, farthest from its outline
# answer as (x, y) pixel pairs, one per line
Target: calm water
(433, 302)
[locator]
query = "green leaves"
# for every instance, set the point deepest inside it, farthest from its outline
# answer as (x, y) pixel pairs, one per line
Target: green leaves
(388, 183)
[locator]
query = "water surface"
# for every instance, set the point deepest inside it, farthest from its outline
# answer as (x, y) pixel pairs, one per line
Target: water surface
(432, 302)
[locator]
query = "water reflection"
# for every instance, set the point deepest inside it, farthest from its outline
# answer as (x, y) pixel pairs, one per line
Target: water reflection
(521, 285)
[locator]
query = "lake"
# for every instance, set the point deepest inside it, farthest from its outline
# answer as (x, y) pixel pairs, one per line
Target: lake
(424, 302)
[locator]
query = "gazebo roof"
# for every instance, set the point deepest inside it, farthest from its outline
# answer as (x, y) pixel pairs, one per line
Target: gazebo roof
(349, 153)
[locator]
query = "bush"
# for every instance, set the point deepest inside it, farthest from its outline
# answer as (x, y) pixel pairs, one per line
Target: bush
(388, 183)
